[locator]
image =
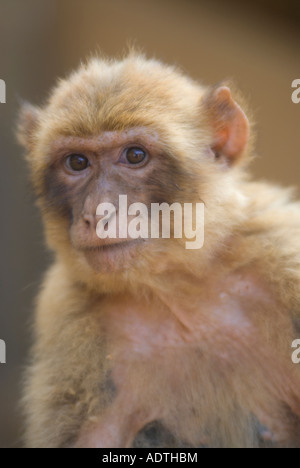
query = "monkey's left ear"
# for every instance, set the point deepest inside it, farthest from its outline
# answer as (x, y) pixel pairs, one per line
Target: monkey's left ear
(229, 124)
(27, 123)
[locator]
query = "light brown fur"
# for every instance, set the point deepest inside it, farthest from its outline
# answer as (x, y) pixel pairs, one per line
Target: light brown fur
(199, 340)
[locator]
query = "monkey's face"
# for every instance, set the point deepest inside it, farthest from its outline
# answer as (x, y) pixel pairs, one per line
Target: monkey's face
(87, 173)
(139, 129)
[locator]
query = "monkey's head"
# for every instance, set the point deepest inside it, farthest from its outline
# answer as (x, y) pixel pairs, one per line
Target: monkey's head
(138, 128)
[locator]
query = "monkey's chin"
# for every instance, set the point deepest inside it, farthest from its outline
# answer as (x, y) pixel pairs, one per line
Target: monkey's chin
(113, 257)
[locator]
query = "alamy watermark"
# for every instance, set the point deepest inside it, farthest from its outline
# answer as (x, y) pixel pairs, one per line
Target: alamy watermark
(152, 457)
(161, 220)
(296, 100)
(2, 352)
(296, 353)
(2, 101)
(296, 93)
(2, 92)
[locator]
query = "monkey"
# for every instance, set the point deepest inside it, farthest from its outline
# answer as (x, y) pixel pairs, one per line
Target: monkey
(142, 342)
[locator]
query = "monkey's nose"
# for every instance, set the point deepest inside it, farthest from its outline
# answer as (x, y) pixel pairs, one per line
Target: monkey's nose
(89, 220)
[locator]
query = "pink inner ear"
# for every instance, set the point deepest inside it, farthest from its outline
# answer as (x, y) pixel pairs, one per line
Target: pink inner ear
(231, 126)
(238, 135)
(221, 139)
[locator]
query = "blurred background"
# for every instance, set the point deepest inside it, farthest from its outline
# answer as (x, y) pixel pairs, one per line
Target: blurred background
(256, 43)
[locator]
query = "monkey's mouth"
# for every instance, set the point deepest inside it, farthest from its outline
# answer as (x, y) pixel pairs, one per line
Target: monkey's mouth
(112, 246)
(113, 256)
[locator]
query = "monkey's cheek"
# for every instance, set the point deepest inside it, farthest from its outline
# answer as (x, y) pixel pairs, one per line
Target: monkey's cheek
(114, 258)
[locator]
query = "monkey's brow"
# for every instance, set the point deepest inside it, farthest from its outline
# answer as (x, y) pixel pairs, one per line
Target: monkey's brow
(106, 140)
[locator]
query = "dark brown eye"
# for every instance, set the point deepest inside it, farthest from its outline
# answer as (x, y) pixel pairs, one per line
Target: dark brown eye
(77, 162)
(135, 155)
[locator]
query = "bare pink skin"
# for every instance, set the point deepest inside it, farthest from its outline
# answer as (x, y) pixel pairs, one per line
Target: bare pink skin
(216, 330)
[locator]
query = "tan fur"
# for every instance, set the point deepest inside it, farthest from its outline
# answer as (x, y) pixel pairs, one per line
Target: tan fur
(200, 340)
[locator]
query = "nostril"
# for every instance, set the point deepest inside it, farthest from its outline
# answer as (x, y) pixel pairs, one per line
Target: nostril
(88, 220)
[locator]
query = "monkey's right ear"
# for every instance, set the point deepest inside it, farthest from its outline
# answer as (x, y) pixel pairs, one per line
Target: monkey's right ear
(229, 124)
(28, 120)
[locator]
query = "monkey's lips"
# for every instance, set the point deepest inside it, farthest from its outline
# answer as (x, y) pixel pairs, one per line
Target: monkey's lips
(113, 256)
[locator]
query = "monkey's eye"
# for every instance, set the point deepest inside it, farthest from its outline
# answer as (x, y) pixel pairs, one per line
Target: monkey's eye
(77, 162)
(135, 156)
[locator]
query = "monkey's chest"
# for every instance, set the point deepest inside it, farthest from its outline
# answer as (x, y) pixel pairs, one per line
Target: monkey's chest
(181, 364)
(138, 331)
(168, 364)
(150, 340)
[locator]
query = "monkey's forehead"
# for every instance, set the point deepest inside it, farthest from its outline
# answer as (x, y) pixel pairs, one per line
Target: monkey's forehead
(110, 96)
(107, 140)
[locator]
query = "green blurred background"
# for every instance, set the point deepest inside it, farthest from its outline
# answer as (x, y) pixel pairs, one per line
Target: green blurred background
(254, 42)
